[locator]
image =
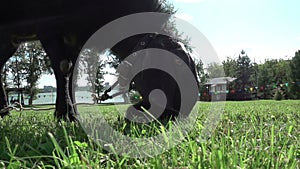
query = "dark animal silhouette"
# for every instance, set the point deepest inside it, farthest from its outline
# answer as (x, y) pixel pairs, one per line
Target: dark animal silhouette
(63, 26)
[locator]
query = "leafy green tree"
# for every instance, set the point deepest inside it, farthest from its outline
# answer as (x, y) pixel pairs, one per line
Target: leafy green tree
(282, 76)
(264, 79)
(15, 71)
(99, 79)
(273, 74)
(230, 67)
(202, 76)
(295, 75)
(242, 69)
(27, 66)
(265, 76)
(215, 70)
(35, 64)
(93, 66)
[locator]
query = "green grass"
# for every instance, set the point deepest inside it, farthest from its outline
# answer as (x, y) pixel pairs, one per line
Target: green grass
(253, 134)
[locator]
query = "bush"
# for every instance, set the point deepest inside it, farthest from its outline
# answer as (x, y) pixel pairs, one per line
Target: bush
(278, 95)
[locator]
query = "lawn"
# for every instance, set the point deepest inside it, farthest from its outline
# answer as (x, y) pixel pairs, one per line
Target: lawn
(252, 134)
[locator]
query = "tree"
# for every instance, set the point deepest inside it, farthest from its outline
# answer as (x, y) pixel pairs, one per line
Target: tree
(281, 78)
(265, 76)
(243, 73)
(99, 79)
(200, 71)
(15, 67)
(215, 70)
(273, 74)
(295, 75)
(202, 76)
(230, 70)
(38, 64)
(242, 69)
(93, 66)
(230, 67)
(264, 79)
(27, 66)
(14, 73)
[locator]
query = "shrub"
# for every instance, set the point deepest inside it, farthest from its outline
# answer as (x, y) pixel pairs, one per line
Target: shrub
(278, 95)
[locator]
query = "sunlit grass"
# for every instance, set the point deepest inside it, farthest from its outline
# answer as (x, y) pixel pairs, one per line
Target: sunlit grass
(253, 134)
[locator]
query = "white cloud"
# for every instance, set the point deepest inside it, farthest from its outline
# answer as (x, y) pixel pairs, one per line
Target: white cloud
(185, 16)
(298, 37)
(189, 1)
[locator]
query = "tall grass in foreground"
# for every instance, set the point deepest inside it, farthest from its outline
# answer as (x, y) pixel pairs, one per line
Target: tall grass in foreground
(254, 134)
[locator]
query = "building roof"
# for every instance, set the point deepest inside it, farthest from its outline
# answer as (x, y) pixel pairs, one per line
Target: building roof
(220, 80)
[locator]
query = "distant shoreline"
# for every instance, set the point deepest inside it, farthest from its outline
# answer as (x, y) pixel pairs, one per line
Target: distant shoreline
(45, 98)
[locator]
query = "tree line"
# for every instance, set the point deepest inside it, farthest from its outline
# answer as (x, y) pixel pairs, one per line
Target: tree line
(273, 78)
(25, 68)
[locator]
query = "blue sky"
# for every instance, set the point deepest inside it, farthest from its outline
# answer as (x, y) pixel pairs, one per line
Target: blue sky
(263, 28)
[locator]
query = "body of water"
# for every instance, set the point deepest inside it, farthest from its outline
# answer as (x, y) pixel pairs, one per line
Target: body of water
(80, 97)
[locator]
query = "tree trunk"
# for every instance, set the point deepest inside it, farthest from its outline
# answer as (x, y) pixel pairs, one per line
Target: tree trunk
(30, 99)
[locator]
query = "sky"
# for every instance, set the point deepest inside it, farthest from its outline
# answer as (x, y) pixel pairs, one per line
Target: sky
(264, 29)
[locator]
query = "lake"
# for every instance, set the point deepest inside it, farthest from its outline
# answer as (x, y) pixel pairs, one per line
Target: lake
(80, 97)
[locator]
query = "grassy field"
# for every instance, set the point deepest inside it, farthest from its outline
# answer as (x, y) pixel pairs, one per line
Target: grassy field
(253, 134)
